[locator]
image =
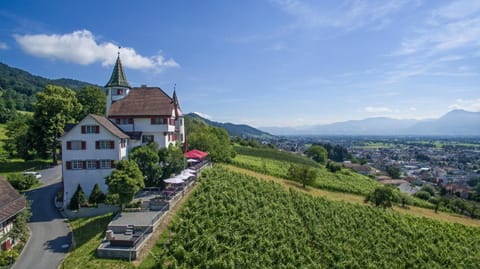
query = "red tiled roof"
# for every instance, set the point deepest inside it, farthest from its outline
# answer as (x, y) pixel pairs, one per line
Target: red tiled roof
(11, 202)
(195, 154)
(144, 101)
(110, 126)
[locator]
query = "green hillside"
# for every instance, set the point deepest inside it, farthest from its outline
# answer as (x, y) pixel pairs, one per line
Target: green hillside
(18, 87)
(242, 130)
(237, 221)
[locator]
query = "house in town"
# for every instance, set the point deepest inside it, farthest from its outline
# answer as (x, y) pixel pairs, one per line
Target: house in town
(11, 204)
(134, 116)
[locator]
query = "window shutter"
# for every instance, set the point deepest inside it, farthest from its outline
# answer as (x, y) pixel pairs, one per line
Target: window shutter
(130, 120)
(112, 144)
(112, 163)
(98, 164)
(69, 165)
(97, 144)
(84, 129)
(69, 144)
(97, 129)
(84, 163)
(84, 145)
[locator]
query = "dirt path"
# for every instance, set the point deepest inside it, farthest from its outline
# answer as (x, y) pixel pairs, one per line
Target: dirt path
(358, 199)
(161, 227)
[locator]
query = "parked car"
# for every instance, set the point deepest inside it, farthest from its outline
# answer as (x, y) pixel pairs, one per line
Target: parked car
(37, 175)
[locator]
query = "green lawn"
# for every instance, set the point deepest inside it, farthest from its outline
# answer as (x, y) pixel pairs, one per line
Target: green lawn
(88, 233)
(19, 165)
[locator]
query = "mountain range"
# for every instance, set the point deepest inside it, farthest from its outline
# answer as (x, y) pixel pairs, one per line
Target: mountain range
(454, 123)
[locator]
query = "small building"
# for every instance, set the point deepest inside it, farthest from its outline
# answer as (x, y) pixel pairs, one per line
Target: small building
(11, 204)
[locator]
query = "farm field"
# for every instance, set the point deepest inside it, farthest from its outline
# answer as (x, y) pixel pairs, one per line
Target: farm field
(237, 221)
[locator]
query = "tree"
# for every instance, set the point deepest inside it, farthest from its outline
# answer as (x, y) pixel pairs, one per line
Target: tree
(20, 142)
(213, 140)
(96, 196)
(317, 153)
(20, 230)
(93, 101)
(423, 195)
(78, 199)
(428, 188)
(54, 107)
(393, 171)
(125, 181)
(147, 160)
(173, 159)
(381, 197)
(302, 173)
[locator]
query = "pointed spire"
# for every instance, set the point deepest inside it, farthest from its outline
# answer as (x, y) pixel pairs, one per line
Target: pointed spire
(118, 78)
(175, 101)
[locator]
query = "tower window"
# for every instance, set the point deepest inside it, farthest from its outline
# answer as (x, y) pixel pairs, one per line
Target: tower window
(119, 91)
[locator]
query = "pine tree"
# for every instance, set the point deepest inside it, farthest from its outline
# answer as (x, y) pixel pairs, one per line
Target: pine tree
(79, 198)
(96, 196)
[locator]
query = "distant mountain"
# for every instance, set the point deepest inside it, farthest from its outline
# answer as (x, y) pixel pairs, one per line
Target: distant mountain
(456, 122)
(234, 129)
(18, 87)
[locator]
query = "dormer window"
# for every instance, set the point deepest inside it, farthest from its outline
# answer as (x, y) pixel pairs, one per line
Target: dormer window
(119, 91)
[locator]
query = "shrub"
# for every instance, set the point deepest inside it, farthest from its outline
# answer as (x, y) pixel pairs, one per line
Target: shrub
(22, 182)
(423, 195)
(333, 166)
(78, 199)
(96, 196)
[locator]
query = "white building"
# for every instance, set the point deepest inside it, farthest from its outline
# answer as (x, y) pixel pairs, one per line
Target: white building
(135, 116)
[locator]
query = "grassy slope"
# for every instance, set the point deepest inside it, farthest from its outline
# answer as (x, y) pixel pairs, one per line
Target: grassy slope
(359, 199)
(88, 233)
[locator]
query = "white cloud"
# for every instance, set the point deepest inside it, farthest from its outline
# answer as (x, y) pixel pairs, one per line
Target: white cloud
(3, 46)
(80, 47)
(377, 109)
(348, 15)
(454, 26)
(203, 115)
(469, 105)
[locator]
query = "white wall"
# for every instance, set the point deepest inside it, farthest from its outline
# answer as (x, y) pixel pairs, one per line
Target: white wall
(85, 177)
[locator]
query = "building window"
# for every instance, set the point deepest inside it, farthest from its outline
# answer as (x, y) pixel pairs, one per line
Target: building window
(157, 120)
(106, 164)
(147, 138)
(119, 91)
(90, 129)
(91, 164)
(123, 142)
(105, 144)
(76, 145)
(77, 164)
(123, 121)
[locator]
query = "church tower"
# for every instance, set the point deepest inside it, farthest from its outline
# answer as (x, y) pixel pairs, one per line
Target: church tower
(118, 86)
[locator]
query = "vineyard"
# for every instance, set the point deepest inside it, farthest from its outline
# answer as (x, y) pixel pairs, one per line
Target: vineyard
(236, 221)
(275, 154)
(342, 181)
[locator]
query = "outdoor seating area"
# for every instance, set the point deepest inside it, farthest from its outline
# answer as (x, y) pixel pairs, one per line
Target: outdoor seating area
(127, 232)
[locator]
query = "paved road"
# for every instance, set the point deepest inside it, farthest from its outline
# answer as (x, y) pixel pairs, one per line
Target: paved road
(51, 236)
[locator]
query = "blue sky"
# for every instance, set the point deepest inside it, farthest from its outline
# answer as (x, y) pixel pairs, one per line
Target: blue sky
(262, 62)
